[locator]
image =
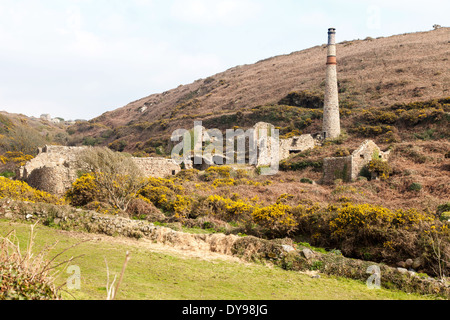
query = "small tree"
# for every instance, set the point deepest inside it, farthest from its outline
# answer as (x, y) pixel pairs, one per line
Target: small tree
(116, 175)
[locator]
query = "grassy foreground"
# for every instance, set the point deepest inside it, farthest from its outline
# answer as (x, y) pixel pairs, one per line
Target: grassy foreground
(151, 275)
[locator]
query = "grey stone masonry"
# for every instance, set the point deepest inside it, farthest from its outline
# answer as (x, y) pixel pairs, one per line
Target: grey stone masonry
(55, 168)
(331, 119)
(349, 168)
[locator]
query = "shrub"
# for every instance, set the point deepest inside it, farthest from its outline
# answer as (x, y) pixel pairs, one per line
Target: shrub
(168, 196)
(228, 209)
(300, 165)
(341, 152)
(21, 191)
(118, 145)
(117, 176)
(277, 219)
(305, 99)
(17, 158)
(215, 172)
(443, 208)
(415, 186)
(7, 174)
(370, 131)
(379, 168)
(22, 138)
(83, 191)
(188, 174)
(90, 141)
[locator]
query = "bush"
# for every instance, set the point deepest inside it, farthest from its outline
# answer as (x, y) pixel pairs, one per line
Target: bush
(301, 165)
(228, 209)
(215, 172)
(342, 152)
(443, 208)
(118, 145)
(373, 232)
(21, 191)
(371, 131)
(379, 168)
(188, 174)
(83, 191)
(305, 99)
(415, 186)
(277, 219)
(116, 175)
(17, 158)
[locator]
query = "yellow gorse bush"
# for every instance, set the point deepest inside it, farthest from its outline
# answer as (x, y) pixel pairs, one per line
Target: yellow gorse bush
(277, 218)
(352, 217)
(16, 157)
(84, 190)
(223, 171)
(166, 194)
(228, 208)
(21, 191)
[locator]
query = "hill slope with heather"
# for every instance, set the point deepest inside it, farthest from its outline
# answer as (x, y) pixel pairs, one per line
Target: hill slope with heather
(372, 73)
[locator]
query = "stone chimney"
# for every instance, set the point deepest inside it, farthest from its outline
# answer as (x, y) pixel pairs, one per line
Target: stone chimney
(331, 119)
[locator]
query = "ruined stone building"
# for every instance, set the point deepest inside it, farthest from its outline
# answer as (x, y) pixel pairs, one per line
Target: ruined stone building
(349, 168)
(271, 149)
(55, 168)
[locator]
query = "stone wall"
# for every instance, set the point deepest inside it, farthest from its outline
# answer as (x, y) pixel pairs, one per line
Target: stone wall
(157, 167)
(295, 145)
(336, 168)
(55, 168)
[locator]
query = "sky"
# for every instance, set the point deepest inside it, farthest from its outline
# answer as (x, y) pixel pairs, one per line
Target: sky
(77, 59)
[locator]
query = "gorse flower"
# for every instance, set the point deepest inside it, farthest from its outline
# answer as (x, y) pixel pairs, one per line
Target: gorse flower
(21, 191)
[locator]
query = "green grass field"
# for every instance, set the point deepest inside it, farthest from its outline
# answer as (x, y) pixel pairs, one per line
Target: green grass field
(153, 275)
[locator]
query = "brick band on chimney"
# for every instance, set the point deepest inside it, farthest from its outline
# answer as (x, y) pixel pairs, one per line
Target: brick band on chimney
(331, 60)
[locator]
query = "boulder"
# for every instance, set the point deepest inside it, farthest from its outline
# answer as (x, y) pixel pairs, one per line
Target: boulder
(287, 248)
(401, 264)
(417, 263)
(402, 270)
(409, 263)
(308, 253)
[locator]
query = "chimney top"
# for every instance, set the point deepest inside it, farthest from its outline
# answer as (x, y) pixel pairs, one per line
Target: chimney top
(332, 30)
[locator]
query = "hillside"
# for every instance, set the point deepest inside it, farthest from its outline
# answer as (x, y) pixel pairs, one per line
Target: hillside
(372, 73)
(21, 133)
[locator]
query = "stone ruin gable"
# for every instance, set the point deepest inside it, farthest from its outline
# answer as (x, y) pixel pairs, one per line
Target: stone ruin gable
(363, 155)
(55, 168)
(348, 168)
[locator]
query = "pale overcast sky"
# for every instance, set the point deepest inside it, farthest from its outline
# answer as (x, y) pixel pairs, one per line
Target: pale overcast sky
(76, 59)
